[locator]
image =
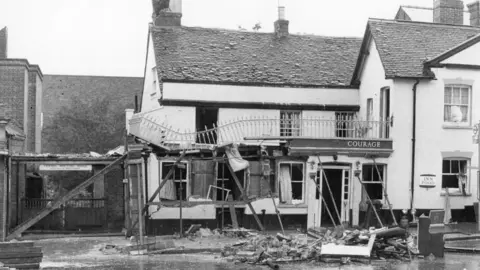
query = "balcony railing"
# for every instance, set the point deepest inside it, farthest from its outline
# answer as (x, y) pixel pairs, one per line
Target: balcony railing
(257, 129)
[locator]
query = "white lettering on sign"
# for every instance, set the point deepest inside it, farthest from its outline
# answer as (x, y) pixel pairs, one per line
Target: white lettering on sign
(428, 180)
(65, 167)
(363, 144)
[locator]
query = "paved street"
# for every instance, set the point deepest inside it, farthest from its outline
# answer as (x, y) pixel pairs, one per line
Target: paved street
(84, 253)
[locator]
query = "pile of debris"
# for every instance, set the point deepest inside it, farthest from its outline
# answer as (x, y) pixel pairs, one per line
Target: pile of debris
(323, 245)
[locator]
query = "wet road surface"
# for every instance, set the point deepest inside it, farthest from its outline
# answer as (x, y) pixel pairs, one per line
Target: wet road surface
(83, 253)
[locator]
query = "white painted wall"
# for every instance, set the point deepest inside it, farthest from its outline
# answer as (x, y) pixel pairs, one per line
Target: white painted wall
(151, 88)
(469, 56)
(38, 114)
(433, 137)
(401, 98)
(232, 93)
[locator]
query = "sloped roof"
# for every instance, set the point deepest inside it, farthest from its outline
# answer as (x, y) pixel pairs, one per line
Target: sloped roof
(405, 46)
(3, 43)
(217, 55)
(425, 14)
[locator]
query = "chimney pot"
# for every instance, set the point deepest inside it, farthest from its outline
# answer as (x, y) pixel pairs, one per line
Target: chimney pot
(281, 13)
(448, 11)
(474, 10)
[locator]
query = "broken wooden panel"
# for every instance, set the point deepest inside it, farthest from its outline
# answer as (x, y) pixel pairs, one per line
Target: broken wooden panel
(203, 175)
(334, 250)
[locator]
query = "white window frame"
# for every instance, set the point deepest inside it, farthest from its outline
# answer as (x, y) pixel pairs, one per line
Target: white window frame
(469, 104)
(295, 125)
(456, 191)
(303, 180)
(187, 178)
(369, 113)
(384, 178)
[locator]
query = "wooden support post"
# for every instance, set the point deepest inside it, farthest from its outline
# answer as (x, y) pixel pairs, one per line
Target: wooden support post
(278, 214)
(325, 203)
(233, 214)
(385, 192)
(242, 191)
(371, 203)
(330, 191)
(140, 202)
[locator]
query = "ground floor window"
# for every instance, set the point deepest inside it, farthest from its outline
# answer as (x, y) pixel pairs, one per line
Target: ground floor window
(291, 182)
(178, 189)
(226, 185)
(454, 174)
(372, 177)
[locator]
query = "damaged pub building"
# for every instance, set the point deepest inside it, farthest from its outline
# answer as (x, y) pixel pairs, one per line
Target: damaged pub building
(242, 128)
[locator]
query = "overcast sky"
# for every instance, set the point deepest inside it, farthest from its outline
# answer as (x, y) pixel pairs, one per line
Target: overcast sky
(108, 37)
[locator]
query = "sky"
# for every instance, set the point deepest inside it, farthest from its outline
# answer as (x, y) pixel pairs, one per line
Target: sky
(109, 37)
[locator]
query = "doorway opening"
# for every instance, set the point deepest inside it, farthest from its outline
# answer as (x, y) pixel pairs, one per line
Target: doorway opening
(206, 118)
(334, 178)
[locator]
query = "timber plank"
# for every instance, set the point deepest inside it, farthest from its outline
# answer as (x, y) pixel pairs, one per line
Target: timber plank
(8, 255)
(21, 249)
(37, 259)
(16, 245)
(24, 266)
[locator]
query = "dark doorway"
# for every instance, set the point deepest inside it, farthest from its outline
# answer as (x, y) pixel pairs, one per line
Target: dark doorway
(334, 178)
(206, 118)
(225, 181)
(34, 186)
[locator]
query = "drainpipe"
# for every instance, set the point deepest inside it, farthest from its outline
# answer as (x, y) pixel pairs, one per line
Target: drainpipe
(412, 181)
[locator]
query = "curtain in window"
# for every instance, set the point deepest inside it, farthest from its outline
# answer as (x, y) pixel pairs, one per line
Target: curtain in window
(285, 179)
(168, 192)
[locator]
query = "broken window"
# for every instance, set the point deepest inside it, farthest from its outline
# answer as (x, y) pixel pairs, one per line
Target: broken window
(372, 179)
(454, 174)
(291, 183)
(180, 186)
(290, 123)
(225, 181)
(457, 104)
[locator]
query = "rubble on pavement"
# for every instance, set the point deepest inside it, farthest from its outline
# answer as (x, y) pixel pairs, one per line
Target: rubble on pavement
(255, 248)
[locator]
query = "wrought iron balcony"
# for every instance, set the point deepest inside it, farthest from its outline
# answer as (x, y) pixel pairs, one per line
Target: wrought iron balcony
(257, 129)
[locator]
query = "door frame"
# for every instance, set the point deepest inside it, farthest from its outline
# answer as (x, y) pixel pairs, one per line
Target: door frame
(346, 205)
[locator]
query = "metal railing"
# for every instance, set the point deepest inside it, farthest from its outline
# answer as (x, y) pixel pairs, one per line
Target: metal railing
(257, 128)
(28, 203)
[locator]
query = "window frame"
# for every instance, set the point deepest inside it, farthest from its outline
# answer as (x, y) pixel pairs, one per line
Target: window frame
(291, 131)
(369, 112)
(187, 177)
(304, 168)
(456, 191)
(384, 178)
(467, 123)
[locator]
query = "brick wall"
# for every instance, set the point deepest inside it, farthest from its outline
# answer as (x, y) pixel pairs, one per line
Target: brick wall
(12, 92)
(32, 109)
(115, 198)
(2, 196)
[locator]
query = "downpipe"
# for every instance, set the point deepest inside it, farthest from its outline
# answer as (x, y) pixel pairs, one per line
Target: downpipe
(414, 124)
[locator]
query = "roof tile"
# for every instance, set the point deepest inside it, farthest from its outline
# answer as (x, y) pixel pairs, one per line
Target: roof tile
(215, 55)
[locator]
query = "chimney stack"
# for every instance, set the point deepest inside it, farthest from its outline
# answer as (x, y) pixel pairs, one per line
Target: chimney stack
(448, 11)
(281, 25)
(167, 13)
(474, 9)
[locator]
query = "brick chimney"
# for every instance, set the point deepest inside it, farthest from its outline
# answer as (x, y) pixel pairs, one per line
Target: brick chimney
(448, 11)
(474, 9)
(167, 13)
(281, 25)
(3, 42)
(3, 128)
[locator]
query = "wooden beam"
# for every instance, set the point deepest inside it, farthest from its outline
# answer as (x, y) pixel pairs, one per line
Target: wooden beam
(62, 200)
(244, 197)
(193, 204)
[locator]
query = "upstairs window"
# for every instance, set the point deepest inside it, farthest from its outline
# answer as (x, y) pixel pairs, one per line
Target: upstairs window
(457, 104)
(345, 127)
(290, 123)
(369, 109)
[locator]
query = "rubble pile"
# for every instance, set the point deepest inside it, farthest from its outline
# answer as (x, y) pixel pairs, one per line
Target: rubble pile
(322, 244)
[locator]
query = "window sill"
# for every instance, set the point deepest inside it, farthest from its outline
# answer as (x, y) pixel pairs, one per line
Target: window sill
(454, 126)
(301, 205)
(455, 194)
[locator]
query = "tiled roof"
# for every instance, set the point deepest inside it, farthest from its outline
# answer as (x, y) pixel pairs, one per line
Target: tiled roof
(3, 43)
(425, 14)
(405, 46)
(216, 55)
